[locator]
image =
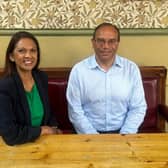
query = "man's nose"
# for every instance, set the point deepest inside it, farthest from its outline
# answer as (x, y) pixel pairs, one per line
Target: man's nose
(106, 44)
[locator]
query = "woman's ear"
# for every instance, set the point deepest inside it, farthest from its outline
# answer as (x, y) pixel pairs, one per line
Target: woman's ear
(11, 58)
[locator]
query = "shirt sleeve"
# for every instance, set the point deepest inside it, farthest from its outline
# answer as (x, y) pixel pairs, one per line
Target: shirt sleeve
(76, 113)
(136, 106)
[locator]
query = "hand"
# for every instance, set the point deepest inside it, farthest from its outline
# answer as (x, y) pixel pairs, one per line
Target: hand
(46, 130)
(57, 130)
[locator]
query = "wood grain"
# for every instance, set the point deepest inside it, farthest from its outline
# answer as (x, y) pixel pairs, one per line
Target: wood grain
(89, 151)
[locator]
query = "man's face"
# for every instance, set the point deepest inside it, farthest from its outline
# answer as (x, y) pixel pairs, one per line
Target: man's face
(105, 43)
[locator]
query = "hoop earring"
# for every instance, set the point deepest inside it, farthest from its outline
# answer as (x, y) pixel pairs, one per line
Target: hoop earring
(12, 59)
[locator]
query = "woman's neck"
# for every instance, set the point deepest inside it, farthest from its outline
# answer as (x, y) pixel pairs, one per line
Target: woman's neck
(27, 80)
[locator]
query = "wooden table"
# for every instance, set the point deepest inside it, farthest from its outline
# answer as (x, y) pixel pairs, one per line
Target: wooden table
(88, 151)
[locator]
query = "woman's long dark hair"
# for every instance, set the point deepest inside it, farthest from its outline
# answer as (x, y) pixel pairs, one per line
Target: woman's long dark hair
(10, 67)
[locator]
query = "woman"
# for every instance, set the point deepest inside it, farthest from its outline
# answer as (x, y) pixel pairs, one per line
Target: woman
(24, 106)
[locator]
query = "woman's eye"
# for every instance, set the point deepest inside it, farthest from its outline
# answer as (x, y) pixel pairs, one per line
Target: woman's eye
(33, 50)
(22, 51)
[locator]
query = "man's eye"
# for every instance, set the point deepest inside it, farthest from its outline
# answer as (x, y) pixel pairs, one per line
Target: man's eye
(100, 41)
(112, 41)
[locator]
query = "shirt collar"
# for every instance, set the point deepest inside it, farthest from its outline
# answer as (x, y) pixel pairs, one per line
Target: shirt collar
(93, 63)
(118, 61)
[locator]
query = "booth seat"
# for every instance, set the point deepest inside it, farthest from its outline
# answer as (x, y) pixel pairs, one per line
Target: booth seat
(154, 82)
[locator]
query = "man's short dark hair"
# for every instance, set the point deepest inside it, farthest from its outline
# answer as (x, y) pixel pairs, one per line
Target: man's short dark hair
(106, 24)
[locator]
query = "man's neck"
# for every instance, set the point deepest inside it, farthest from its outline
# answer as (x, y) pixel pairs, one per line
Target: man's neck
(105, 64)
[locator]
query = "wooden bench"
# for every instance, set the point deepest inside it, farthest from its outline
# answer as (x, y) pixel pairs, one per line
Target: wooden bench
(154, 82)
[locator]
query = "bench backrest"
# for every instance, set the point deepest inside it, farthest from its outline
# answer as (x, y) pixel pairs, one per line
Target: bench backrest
(154, 82)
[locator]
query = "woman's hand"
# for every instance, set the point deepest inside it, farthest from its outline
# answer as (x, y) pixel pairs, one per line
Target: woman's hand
(46, 130)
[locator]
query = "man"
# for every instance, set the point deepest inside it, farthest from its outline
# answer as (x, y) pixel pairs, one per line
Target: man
(105, 92)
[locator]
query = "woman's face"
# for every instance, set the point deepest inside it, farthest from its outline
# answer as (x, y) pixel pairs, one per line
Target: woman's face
(25, 55)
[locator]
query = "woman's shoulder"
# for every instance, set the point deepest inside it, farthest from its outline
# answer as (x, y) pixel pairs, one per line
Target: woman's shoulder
(6, 80)
(40, 75)
(6, 83)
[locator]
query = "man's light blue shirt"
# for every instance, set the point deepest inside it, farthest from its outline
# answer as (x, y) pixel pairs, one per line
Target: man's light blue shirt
(106, 101)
